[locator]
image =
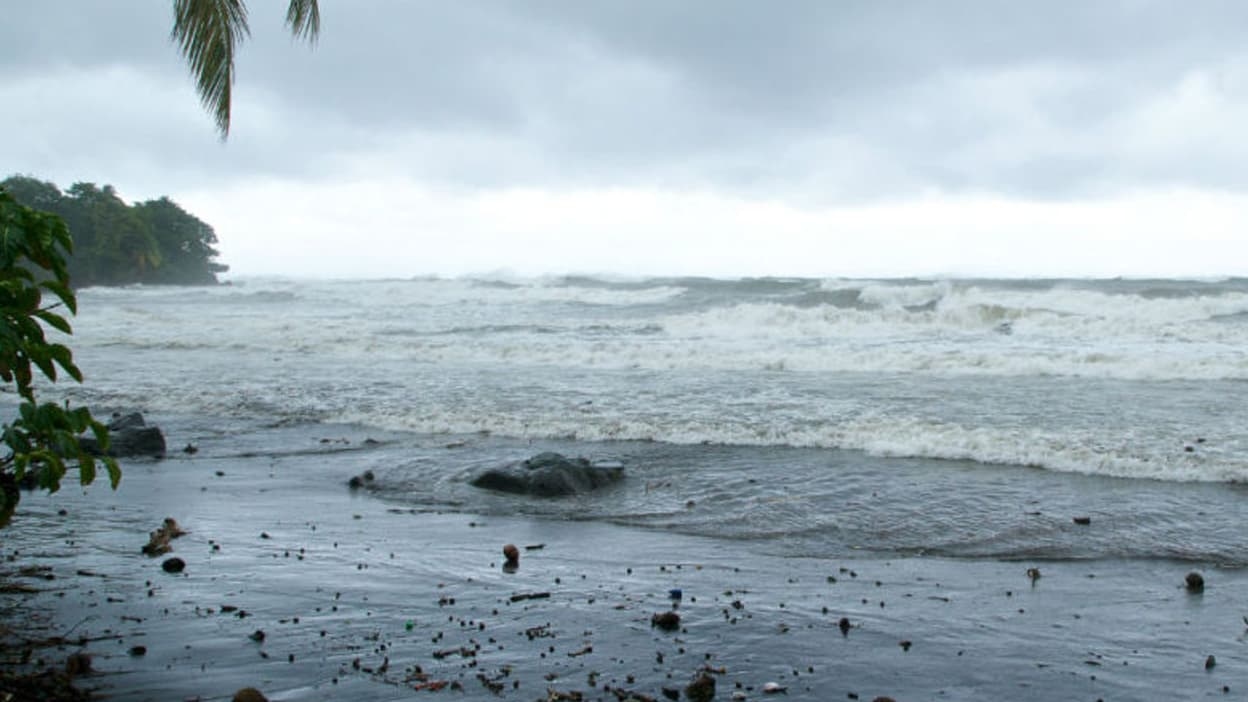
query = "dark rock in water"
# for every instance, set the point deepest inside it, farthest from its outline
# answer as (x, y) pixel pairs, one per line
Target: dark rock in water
(173, 565)
(138, 651)
(1210, 662)
(1195, 582)
(358, 481)
(129, 436)
(1083, 521)
(550, 475)
(512, 554)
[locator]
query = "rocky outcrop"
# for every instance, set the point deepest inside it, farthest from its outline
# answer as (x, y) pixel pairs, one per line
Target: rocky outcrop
(129, 436)
(550, 475)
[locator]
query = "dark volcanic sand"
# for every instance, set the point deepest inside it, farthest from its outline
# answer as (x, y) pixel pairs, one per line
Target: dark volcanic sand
(359, 598)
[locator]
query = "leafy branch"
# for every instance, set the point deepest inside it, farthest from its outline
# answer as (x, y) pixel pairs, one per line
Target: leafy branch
(42, 442)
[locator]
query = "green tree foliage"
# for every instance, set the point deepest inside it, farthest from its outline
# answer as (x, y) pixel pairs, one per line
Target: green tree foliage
(42, 441)
(154, 242)
(184, 242)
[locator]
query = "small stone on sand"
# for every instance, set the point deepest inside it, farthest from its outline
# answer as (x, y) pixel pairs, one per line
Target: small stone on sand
(78, 664)
(667, 621)
(702, 689)
(249, 694)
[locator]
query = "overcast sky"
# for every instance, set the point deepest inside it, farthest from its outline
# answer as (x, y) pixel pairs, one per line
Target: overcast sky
(639, 137)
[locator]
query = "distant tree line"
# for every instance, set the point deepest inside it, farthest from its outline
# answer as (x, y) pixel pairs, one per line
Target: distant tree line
(154, 242)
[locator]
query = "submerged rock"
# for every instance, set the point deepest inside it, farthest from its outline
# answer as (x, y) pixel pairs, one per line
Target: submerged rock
(550, 475)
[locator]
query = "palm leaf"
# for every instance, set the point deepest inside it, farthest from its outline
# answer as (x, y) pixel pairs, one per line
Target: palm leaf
(207, 33)
(304, 18)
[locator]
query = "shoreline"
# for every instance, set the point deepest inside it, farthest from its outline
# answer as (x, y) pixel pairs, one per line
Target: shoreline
(277, 543)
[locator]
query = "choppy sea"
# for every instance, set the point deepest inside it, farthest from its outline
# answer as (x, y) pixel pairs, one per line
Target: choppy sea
(956, 418)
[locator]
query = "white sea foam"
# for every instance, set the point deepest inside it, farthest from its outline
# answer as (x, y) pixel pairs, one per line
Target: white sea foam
(906, 437)
(698, 361)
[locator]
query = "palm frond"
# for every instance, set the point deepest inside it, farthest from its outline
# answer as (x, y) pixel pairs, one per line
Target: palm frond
(304, 19)
(207, 33)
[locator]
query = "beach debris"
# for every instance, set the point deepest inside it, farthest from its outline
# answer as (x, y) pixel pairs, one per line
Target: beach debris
(171, 526)
(540, 631)
(520, 596)
(671, 693)
(359, 481)
(883, 699)
(512, 554)
(702, 689)
(257, 635)
(1195, 582)
(158, 541)
(667, 621)
(1210, 662)
(905, 644)
(249, 694)
(173, 565)
(774, 688)
(1034, 574)
(1083, 521)
(190, 449)
(675, 593)
(844, 625)
(78, 664)
(535, 547)
(137, 651)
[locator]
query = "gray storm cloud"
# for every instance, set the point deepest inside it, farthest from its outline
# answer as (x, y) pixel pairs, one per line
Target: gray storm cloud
(809, 101)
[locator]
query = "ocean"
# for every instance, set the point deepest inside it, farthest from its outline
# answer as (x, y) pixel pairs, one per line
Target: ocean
(959, 418)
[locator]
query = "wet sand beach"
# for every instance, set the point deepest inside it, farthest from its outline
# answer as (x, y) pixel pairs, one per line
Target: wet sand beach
(300, 587)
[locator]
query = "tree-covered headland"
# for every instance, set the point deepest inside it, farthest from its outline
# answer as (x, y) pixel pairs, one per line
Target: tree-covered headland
(154, 242)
